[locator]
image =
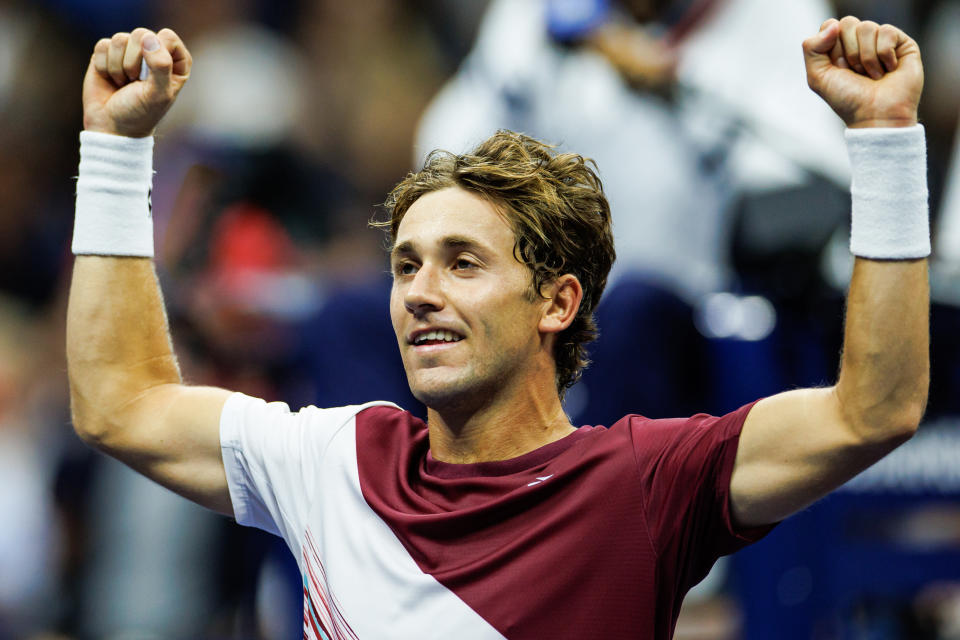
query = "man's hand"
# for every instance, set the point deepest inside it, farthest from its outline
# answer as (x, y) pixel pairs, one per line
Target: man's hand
(869, 74)
(115, 100)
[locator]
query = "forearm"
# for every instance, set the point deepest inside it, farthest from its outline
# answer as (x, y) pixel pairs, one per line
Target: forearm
(885, 368)
(884, 372)
(118, 342)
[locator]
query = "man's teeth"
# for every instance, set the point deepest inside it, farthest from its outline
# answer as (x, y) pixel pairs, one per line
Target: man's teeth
(445, 336)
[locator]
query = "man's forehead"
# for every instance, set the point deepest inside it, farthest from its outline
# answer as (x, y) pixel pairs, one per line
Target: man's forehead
(452, 218)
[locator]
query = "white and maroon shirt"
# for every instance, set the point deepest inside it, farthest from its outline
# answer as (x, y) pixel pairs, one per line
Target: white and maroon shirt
(599, 534)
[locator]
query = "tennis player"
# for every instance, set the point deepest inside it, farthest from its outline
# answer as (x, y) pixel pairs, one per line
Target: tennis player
(497, 518)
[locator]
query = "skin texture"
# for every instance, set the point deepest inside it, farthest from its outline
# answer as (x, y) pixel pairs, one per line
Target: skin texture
(492, 395)
(798, 446)
(113, 101)
(126, 393)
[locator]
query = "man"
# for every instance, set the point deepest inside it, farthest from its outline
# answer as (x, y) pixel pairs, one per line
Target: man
(497, 518)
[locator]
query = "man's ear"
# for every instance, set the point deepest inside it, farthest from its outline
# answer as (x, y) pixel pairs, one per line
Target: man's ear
(564, 295)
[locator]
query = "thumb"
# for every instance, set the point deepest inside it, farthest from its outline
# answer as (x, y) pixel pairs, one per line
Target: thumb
(817, 48)
(823, 42)
(158, 61)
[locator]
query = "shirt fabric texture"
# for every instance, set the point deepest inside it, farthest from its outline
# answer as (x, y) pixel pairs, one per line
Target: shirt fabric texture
(599, 534)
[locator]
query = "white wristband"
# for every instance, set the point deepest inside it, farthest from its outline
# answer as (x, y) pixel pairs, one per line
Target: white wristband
(890, 215)
(113, 196)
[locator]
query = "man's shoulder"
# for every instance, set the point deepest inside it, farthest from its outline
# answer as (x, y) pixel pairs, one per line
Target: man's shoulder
(383, 414)
(382, 409)
(638, 423)
(243, 411)
(377, 418)
(651, 437)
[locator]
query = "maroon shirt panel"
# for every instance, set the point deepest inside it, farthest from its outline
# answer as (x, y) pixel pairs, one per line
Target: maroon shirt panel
(685, 465)
(605, 546)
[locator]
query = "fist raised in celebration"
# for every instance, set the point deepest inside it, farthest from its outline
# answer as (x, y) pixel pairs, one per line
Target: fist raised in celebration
(870, 74)
(115, 98)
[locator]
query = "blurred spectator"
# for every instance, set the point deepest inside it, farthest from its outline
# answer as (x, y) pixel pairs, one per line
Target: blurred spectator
(731, 120)
(373, 67)
(30, 542)
(709, 152)
(41, 60)
(266, 180)
(942, 59)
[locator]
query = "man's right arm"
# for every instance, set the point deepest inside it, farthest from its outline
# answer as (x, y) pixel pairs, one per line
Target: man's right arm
(127, 396)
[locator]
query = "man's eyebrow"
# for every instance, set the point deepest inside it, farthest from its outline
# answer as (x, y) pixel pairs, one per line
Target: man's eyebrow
(402, 248)
(449, 242)
(462, 242)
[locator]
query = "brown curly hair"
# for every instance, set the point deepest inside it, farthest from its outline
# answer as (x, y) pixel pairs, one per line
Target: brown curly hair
(560, 217)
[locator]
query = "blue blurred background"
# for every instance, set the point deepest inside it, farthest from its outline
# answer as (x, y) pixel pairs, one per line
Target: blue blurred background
(728, 182)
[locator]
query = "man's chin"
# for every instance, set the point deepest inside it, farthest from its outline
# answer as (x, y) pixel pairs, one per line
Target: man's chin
(438, 396)
(444, 394)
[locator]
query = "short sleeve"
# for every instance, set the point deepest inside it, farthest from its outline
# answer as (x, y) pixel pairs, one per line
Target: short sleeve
(685, 467)
(272, 458)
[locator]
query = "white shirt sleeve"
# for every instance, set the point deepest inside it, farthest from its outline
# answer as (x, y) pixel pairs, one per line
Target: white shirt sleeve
(272, 458)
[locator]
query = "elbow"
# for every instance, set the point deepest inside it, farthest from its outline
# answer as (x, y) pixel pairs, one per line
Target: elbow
(90, 428)
(901, 425)
(86, 423)
(91, 437)
(94, 420)
(887, 423)
(889, 431)
(908, 410)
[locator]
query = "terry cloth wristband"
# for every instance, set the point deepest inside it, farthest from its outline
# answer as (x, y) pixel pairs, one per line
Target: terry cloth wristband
(113, 196)
(890, 217)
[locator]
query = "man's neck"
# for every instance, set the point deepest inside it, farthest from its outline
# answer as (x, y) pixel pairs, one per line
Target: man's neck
(504, 429)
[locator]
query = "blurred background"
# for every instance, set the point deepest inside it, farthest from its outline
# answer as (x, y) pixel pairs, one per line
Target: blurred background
(728, 182)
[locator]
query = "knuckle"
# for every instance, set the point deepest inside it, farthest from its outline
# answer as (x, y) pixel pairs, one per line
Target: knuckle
(119, 38)
(888, 30)
(848, 20)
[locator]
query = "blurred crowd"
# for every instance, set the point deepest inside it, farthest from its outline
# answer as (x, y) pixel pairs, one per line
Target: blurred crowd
(727, 179)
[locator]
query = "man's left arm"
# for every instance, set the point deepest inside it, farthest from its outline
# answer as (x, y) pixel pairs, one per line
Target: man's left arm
(798, 446)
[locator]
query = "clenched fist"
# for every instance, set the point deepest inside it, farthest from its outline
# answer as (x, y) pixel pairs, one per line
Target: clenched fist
(115, 100)
(869, 74)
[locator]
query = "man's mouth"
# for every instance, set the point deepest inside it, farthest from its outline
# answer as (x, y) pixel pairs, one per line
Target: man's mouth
(438, 336)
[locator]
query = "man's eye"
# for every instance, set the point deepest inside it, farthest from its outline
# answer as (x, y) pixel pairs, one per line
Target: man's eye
(405, 268)
(463, 263)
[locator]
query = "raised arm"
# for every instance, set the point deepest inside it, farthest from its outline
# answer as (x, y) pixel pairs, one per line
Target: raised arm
(797, 446)
(127, 396)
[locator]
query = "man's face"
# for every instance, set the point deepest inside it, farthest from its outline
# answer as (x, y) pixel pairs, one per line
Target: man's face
(461, 303)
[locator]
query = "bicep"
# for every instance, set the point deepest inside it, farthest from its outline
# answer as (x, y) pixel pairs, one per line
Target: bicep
(171, 434)
(795, 447)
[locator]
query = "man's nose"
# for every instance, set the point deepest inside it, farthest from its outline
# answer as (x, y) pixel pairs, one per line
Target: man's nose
(424, 293)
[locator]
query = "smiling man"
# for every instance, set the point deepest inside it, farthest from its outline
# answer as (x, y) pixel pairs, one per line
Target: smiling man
(497, 517)
(507, 305)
